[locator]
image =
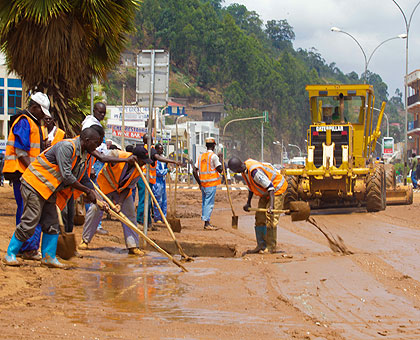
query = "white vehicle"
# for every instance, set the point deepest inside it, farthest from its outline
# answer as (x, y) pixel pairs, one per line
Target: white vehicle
(298, 160)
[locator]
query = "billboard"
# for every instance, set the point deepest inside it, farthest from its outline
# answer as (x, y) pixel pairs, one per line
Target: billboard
(387, 147)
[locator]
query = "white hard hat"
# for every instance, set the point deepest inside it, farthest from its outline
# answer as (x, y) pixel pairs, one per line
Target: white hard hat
(43, 101)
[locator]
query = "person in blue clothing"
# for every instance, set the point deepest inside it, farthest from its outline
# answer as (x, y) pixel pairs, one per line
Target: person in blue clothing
(27, 139)
(159, 188)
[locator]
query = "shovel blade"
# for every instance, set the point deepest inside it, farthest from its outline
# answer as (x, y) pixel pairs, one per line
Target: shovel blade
(235, 222)
(66, 246)
(175, 224)
(299, 211)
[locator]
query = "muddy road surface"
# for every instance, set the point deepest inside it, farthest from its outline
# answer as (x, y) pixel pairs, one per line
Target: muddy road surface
(304, 292)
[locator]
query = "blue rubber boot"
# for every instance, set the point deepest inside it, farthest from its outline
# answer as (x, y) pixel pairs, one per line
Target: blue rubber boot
(48, 250)
(260, 234)
(12, 250)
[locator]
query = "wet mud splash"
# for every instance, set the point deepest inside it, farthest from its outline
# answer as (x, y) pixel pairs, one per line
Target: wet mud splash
(336, 244)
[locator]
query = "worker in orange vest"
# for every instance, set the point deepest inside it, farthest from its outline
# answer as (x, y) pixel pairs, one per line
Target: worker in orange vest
(266, 182)
(56, 174)
(206, 172)
(55, 134)
(154, 156)
(116, 180)
(27, 139)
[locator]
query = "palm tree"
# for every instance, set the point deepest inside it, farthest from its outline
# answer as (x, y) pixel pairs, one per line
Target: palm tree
(59, 46)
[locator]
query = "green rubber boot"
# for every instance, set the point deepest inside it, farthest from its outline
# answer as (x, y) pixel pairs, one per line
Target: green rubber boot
(260, 235)
(272, 239)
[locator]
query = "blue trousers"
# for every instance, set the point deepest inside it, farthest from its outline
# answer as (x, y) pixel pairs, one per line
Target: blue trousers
(159, 190)
(33, 242)
(414, 178)
(140, 208)
(208, 195)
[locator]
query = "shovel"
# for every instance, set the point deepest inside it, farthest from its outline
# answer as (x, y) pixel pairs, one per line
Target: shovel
(66, 244)
(299, 211)
(172, 220)
(234, 217)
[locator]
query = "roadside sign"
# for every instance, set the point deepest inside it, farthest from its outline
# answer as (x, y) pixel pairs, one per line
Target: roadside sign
(265, 114)
(387, 147)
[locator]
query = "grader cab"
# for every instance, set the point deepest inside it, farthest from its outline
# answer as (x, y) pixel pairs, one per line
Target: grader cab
(340, 169)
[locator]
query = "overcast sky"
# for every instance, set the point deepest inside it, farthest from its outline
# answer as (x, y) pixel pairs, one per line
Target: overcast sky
(369, 21)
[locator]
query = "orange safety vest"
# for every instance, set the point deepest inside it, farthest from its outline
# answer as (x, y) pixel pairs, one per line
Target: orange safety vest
(109, 176)
(45, 177)
(209, 177)
(12, 163)
(59, 136)
(152, 173)
(279, 182)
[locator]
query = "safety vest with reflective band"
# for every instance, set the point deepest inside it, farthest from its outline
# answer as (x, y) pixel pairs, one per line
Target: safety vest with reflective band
(279, 182)
(110, 175)
(45, 177)
(12, 163)
(59, 136)
(152, 179)
(209, 177)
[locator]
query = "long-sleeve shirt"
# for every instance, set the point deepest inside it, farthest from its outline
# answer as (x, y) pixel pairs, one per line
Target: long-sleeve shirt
(262, 180)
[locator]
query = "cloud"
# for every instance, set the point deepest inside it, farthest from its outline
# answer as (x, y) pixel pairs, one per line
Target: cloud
(370, 22)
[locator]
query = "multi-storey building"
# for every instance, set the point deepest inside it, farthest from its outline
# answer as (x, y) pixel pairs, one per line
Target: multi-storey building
(413, 107)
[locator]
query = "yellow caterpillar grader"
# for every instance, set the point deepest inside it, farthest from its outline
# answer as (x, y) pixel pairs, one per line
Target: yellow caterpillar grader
(340, 169)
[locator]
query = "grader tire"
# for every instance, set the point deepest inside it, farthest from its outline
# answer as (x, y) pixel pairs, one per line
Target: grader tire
(375, 189)
(291, 191)
(390, 176)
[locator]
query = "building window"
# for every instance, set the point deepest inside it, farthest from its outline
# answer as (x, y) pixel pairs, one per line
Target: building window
(14, 101)
(14, 82)
(1, 101)
(2, 82)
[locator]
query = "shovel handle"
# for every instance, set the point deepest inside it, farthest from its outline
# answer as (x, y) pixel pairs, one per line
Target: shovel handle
(274, 211)
(178, 245)
(148, 240)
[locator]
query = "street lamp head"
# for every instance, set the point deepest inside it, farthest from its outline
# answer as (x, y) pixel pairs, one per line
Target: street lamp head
(276, 142)
(402, 36)
(335, 29)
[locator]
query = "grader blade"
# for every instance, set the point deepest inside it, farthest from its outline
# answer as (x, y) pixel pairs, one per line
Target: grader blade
(399, 195)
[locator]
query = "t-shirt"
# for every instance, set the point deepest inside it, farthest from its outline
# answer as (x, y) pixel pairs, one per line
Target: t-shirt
(89, 121)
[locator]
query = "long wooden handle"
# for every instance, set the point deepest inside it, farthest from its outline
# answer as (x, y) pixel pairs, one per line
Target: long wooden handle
(227, 187)
(138, 231)
(181, 251)
(274, 211)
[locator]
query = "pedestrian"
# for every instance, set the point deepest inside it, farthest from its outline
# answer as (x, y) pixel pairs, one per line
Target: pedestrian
(154, 156)
(266, 182)
(159, 188)
(116, 180)
(414, 163)
(27, 139)
(206, 172)
(51, 179)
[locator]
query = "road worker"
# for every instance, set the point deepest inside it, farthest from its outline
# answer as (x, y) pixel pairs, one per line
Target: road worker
(266, 182)
(116, 180)
(27, 139)
(206, 172)
(56, 174)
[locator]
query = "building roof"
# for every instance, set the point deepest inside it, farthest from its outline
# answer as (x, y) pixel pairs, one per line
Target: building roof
(208, 105)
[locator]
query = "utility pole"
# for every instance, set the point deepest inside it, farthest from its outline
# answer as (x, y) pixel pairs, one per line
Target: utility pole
(123, 119)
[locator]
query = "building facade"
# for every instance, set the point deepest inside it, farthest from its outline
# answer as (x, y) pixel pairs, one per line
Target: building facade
(413, 107)
(10, 97)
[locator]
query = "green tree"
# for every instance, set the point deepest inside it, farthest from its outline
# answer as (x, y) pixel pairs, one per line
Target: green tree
(280, 33)
(58, 47)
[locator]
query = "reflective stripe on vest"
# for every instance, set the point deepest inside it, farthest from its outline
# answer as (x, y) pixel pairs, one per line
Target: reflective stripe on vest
(12, 163)
(152, 172)
(209, 177)
(109, 177)
(45, 177)
(279, 182)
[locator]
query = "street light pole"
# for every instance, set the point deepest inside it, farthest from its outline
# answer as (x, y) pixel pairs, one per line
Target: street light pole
(407, 28)
(300, 152)
(367, 60)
